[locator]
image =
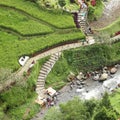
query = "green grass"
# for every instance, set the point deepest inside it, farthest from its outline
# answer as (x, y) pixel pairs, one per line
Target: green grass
(112, 28)
(57, 77)
(11, 48)
(21, 23)
(18, 103)
(59, 20)
(95, 12)
(115, 100)
(82, 59)
(98, 9)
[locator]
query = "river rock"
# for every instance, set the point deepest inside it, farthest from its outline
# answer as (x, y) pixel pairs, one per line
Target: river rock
(96, 77)
(113, 70)
(80, 76)
(104, 76)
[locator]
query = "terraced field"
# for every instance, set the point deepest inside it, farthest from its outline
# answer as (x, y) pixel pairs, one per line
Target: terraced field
(26, 29)
(57, 20)
(21, 23)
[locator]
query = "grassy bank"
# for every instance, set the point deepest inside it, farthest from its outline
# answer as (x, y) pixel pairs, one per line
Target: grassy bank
(57, 77)
(11, 48)
(112, 28)
(115, 100)
(18, 103)
(95, 12)
(83, 59)
(22, 23)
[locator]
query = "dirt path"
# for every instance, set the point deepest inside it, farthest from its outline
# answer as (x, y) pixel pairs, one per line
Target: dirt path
(110, 14)
(47, 53)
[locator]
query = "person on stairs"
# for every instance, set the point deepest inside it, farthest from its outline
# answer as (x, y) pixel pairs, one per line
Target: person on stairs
(82, 4)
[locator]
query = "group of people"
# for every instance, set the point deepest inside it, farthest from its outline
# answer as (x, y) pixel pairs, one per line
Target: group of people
(51, 100)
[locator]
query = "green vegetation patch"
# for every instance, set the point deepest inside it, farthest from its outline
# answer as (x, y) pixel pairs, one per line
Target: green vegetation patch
(59, 19)
(115, 100)
(18, 102)
(77, 109)
(57, 77)
(21, 23)
(112, 28)
(82, 59)
(90, 57)
(95, 12)
(11, 48)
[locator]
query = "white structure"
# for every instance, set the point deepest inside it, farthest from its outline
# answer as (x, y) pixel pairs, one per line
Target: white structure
(23, 60)
(51, 91)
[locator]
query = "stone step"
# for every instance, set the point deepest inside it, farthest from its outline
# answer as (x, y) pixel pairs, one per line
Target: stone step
(55, 55)
(47, 66)
(40, 80)
(52, 61)
(40, 91)
(42, 73)
(39, 88)
(54, 58)
(39, 85)
(44, 69)
(41, 76)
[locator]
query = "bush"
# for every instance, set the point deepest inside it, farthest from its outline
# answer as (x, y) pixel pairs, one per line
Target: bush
(16, 101)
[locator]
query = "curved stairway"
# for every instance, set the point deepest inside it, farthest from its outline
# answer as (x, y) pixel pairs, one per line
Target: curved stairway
(80, 19)
(46, 68)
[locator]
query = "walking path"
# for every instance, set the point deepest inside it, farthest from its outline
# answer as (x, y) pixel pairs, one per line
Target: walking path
(50, 52)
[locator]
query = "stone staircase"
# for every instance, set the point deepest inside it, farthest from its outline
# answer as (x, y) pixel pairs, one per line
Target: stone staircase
(80, 19)
(46, 68)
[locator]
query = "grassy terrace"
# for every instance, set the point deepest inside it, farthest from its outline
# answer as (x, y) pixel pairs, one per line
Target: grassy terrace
(21, 23)
(11, 48)
(58, 20)
(112, 28)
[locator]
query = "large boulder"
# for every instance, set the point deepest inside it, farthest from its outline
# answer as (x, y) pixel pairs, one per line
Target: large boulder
(113, 70)
(80, 76)
(71, 76)
(96, 77)
(103, 76)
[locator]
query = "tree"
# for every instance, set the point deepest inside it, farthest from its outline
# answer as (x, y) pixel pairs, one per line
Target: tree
(90, 106)
(105, 114)
(62, 3)
(74, 110)
(53, 114)
(105, 102)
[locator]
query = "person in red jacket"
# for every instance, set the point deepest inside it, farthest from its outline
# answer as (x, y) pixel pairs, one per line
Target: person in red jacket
(93, 2)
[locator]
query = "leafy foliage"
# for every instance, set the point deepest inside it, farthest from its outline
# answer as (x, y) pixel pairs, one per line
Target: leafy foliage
(83, 110)
(61, 2)
(16, 101)
(89, 58)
